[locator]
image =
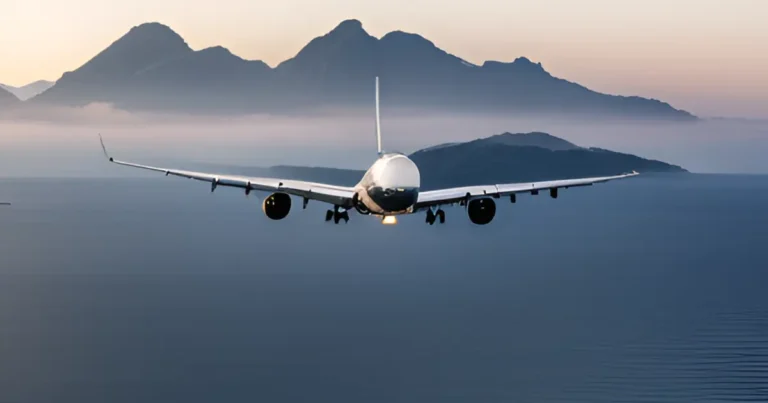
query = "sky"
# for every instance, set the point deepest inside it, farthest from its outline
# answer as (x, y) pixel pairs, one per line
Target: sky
(706, 56)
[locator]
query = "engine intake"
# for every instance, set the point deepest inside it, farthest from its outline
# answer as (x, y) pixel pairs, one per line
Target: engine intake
(277, 206)
(481, 211)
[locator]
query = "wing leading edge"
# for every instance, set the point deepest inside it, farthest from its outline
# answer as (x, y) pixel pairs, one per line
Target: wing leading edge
(454, 195)
(338, 195)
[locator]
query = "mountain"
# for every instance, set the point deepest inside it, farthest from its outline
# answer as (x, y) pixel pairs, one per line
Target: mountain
(7, 98)
(504, 158)
(30, 90)
(524, 157)
(152, 67)
(339, 68)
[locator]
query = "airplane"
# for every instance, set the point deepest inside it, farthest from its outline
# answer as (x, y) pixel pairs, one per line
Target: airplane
(388, 189)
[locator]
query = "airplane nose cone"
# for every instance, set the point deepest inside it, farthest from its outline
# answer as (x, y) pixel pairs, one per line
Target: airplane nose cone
(399, 172)
(396, 185)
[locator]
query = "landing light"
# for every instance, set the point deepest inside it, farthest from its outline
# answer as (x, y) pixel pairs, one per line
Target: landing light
(389, 220)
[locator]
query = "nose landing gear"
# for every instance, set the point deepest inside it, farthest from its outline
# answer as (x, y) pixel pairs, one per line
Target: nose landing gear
(336, 215)
(439, 215)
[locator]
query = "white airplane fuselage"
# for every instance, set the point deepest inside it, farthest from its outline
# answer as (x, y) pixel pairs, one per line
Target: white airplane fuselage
(390, 186)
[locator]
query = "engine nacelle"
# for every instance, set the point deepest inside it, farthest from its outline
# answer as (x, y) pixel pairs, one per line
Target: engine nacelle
(277, 206)
(481, 211)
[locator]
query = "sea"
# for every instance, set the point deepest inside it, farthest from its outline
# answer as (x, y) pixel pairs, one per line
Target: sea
(139, 290)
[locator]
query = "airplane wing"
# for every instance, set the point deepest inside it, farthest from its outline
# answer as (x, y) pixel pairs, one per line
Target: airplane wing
(337, 195)
(456, 195)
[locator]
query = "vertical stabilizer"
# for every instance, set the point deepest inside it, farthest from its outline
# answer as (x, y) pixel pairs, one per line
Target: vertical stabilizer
(378, 119)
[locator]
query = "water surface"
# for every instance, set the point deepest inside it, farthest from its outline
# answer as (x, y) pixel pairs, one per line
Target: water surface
(154, 290)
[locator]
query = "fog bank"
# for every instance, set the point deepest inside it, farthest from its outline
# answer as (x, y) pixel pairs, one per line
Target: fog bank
(65, 143)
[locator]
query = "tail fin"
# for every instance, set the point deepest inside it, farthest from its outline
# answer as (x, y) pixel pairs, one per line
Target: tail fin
(378, 120)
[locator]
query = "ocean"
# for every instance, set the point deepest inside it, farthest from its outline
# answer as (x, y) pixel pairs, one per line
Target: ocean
(651, 289)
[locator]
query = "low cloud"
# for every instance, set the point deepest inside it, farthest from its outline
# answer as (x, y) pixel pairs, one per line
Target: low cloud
(89, 114)
(62, 140)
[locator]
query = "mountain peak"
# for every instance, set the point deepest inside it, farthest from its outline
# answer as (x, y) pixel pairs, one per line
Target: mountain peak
(154, 33)
(347, 43)
(38, 82)
(153, 29)
(28, 91)
(524, 60)
(348, 30)
(526, 63)
(142, 47)
(350, 25)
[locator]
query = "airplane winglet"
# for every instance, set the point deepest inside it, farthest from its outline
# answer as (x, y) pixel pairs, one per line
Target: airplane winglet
(104, 148)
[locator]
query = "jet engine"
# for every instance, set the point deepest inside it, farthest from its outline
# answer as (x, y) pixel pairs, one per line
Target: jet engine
(277, 206)
(481, 211)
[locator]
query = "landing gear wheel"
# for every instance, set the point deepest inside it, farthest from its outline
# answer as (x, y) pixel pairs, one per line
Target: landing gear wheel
(338, 216)
(328, 215)
(435, 216)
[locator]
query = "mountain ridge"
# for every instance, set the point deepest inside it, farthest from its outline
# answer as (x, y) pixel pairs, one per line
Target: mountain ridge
(524, 157)
(28, 91)
(335, 69)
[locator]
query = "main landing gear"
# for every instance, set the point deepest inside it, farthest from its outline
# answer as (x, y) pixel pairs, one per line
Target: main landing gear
(439, 215)
(336, 215)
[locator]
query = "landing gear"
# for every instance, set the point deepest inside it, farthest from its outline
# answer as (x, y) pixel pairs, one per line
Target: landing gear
(439, 215)
(336, 215)
(341, 216)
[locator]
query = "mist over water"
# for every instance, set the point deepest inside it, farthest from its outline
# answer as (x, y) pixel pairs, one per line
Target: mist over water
(155, 290)
(52, 145)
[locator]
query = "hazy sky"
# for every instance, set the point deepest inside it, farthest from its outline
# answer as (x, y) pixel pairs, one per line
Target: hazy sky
(706, 56)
